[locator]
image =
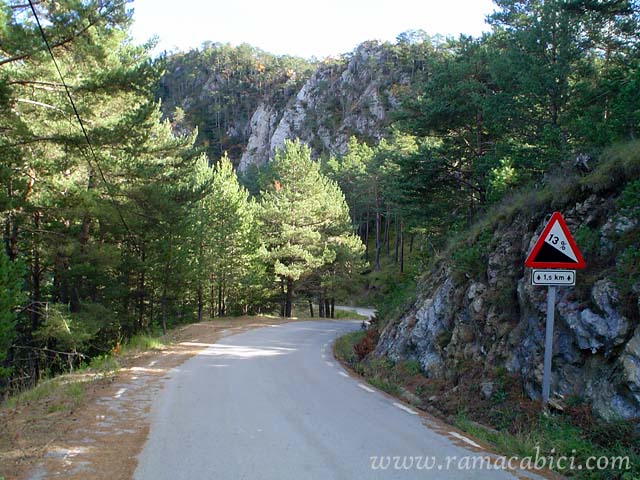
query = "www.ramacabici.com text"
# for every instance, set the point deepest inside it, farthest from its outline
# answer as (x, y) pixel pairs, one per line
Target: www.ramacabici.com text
(539, 461)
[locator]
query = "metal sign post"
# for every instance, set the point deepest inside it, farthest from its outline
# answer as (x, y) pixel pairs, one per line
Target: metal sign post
(548, 344)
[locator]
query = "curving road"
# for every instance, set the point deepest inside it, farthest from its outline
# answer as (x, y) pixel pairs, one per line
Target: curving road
(273, 404)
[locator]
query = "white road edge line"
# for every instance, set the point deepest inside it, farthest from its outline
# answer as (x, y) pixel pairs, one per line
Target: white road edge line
(464, 439)
(343, 374)
(329, 363)
(406, 409)
(119, 393)
(364, 387)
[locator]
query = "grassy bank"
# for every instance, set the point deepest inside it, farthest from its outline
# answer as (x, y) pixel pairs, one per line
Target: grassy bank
(65, 392)
(512, 424)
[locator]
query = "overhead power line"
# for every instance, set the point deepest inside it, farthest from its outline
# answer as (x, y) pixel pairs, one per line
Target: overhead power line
(80, 122)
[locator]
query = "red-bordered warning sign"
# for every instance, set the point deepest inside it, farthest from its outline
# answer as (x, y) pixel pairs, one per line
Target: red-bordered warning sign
(555, 247)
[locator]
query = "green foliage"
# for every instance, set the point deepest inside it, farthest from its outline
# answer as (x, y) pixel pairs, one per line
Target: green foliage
(63, 393)
(384, 385)
(305, 226)
(588, 240)
(143, 343)
(226, 241)
(628, 266)
(104, 364)
(98, 230)
(398, 295)
(44, 389)
(469, 257)
(629, 201)
(344, 347)
(412, 367)
(618, 164)
(61, 329)
(11, 296)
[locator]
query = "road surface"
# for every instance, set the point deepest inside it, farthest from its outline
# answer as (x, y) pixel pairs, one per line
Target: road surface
(272, 403)
(367, 312)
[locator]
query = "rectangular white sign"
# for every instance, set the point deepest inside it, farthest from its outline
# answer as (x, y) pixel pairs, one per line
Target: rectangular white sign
(553, 277)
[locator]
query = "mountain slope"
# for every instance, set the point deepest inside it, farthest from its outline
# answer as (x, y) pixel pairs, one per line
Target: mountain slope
(476, 310)
(247, 102)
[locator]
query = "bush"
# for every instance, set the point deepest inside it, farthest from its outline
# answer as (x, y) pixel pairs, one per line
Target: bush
(367, 344)
(468, 258)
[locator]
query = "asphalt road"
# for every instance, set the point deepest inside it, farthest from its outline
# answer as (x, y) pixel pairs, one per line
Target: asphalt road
(273, 404)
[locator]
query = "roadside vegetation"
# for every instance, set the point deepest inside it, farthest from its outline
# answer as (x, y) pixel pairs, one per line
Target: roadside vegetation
(65, 392)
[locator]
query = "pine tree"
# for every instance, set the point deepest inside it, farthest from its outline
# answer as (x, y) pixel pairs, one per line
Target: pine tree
(11, 296)
(227, 239)
(86, 206)
(304, 217)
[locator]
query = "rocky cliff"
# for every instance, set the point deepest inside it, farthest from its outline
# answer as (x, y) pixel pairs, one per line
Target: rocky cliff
(477, 304)
(247, 103)
(341, 99)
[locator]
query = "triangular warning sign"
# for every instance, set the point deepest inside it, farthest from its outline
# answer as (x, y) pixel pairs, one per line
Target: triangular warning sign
(555, 247)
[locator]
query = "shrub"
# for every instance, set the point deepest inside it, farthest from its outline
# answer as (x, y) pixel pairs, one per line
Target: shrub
(367, 344)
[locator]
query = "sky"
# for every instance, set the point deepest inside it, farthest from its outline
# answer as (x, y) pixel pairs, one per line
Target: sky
(297, 27)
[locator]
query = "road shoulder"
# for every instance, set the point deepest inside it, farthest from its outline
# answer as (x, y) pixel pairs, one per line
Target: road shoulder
(101, 437)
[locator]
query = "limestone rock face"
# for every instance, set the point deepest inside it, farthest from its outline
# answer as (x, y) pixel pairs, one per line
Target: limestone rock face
(495, 318)
(340, 100)
(247, 110)
(261, 127)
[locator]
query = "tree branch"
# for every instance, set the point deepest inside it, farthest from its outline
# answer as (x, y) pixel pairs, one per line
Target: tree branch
(55, 45)
(23, 5)
(42, 85)
(39, 104)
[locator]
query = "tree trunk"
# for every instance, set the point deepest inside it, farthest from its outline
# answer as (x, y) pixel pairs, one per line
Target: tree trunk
(200, 301)
(321, 313)
(396, 242)
(387, 226)
(85, 230)
(289, 299)
(36, 272)
(283, 301)
(60, 278)
(377, 253)
(200, 290)
(366, 237)
(401, 247)
(327, 308)
(212, 302)
(163, 306)
(311, 308)
(141, 290)
(333, 307)
(11, 238)
(79, 288)
(220, 306)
